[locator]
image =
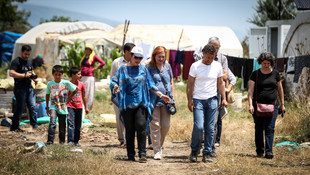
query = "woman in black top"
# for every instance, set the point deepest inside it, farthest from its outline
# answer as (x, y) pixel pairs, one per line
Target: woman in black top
(266, 91)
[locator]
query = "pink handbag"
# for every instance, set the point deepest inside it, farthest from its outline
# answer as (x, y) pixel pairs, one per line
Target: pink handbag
(264, 110)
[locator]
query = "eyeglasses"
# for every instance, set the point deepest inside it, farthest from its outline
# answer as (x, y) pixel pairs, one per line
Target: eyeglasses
(140, 58)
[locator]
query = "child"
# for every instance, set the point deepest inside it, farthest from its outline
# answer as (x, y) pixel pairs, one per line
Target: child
(57, 92)
(75, 107)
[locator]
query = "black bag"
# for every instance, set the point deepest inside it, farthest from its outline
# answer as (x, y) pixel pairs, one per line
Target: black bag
(170, 106)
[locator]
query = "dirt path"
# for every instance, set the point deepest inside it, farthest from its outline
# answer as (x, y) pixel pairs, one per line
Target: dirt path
(236, 155)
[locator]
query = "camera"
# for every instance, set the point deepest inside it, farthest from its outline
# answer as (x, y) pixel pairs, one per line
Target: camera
(171, 108)
(33, 76)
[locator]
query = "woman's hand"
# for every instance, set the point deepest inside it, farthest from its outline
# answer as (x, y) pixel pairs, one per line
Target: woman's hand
(251, 109)
(115, 89)
(282, 108)
(166, 99)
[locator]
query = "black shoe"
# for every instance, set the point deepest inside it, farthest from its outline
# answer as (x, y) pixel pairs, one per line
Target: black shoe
(213, 154)
(207, 157)
(131, 158)
(49, 143)
(260, 155)
(269, 155)
(16, 130)
(193, 156)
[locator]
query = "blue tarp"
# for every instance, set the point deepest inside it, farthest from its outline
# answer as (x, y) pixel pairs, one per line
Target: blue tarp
(7, 41)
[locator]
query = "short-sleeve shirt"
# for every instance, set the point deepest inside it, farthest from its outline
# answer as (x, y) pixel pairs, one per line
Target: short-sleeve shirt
(76, 101)
(21, 66)
(222, 59)
(59, 93)
(205, 85)
(267, 87)
(166, 73)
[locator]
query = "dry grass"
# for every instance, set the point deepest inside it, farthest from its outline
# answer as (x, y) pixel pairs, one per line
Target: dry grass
(58, 159)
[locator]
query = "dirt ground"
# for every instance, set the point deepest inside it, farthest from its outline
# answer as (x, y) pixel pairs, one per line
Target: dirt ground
(236, 154)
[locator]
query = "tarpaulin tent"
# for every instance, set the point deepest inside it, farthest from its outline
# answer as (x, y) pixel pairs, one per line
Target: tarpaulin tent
(193, 37)
(54, 29)
(298, 36)
(7, 41)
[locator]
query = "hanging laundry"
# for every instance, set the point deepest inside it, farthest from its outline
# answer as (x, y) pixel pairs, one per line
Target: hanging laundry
(167, 54)
(291, 65)
(179, 57)
(188, 60)
(176, 67)
(256, 66)
(147, 51)
(230, 63)
(300, 63)
(280, 64)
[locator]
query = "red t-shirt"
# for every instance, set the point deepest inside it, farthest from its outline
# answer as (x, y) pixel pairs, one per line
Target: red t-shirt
(76, 101)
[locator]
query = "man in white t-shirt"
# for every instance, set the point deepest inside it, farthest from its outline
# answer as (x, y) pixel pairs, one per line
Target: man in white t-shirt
(116, 64)
(205, 78)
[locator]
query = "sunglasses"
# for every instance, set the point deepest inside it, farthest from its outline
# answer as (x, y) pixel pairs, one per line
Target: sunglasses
(140, 58)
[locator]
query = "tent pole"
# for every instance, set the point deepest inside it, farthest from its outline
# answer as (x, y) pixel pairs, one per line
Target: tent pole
(125, 32)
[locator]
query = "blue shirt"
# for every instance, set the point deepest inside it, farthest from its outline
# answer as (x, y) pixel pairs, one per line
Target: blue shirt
(166, 73)
(134, 83)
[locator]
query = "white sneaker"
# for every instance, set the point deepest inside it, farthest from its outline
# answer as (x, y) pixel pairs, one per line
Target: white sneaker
(217, 144)
(157, 156)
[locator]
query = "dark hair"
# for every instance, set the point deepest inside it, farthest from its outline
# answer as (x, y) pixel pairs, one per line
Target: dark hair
(266, 56)
(128, 46)
(74, 70)
(58, 68)
(26, 48)
(209, 48)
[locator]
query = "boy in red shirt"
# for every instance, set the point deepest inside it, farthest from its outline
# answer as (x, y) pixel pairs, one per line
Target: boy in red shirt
(75, 107)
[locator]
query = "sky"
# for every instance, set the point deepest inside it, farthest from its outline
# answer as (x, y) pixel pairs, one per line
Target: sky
(229, 13)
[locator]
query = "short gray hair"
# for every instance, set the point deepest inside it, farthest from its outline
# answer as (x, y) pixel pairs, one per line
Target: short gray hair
(214, 39)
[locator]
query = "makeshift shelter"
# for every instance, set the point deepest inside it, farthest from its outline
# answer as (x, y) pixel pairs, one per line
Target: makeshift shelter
(296, 42)
(7, 40)
(50, 35)
(193, 37)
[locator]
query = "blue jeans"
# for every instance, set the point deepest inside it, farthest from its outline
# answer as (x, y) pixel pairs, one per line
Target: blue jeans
(267, 124)
(74, 124)
(23, 96)
(204, 120)
(61, 126)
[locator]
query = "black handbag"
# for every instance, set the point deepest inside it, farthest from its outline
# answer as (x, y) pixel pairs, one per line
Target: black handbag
(170, 106)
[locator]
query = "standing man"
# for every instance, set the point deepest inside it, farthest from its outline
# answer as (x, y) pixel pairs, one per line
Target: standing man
(22, 72)
(116, 64)
(205, 78)
(215, 41)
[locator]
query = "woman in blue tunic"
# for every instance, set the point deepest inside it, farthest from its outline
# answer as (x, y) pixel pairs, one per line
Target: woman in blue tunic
(134, 92)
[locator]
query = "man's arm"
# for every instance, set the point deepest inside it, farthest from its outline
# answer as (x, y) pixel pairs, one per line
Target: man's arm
(189, 92)
(15, 74)
(220, 86)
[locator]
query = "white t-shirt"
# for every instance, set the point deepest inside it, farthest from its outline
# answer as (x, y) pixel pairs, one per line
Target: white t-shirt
(205, 85)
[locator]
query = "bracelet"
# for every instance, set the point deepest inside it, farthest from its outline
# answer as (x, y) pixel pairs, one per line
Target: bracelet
(25, 75)
(46, 108)
(161, 95)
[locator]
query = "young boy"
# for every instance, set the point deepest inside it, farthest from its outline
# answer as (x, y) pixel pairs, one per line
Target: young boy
(57, 93)
(75, 107)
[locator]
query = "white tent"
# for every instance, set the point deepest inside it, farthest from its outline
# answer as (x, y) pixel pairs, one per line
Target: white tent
(193, 37)
(56, 28)
(296, 42)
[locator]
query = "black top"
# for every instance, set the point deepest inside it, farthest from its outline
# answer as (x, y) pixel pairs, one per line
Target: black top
(21, 66)
(267, 87)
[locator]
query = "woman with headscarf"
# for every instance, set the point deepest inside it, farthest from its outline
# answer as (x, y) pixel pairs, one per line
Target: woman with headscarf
(87, 70)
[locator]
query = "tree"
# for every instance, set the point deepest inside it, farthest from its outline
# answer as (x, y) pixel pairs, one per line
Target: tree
(273, 10)
(13, 19)
(57, 19)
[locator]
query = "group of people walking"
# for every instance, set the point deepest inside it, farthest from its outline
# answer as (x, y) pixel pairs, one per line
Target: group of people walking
(141, 92)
